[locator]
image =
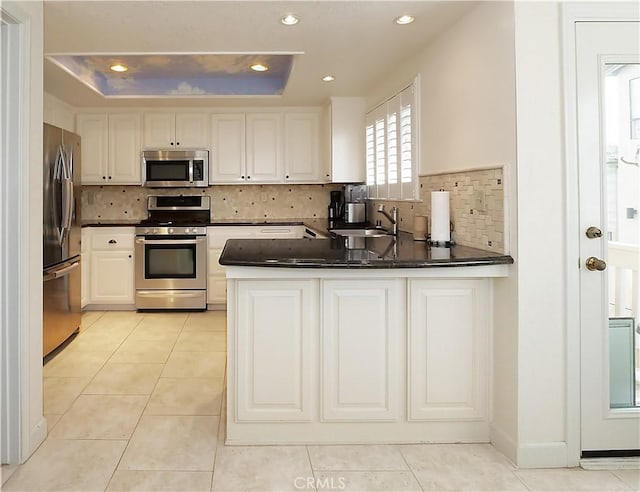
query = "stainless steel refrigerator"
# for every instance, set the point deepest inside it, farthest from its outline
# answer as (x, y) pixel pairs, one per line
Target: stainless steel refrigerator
(61, 237)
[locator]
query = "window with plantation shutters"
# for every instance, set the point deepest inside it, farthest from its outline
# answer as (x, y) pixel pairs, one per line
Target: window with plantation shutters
(391, 130)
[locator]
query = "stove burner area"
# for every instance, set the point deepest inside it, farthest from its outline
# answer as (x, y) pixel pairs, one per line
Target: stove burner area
(171, 254)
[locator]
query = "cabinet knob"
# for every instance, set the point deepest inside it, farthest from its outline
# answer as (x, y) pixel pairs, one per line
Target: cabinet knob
(171, 143)
(177, 143)
(287, 176)
(129, 256)
(104, 177)
(112, 241)
(248, 177)
(109, 177)
(242, 177)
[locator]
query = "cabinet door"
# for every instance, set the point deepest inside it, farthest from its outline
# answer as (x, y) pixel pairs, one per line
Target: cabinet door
(124, 148)
(192, 131)
(362, 340)
(448, 349)
(264, 147)
(228, 155)
(217, 279)
(159, 130)
(92, 128)
(112, 277)
(85, 265)
(347, 140)
(301, 147)
(274, 349)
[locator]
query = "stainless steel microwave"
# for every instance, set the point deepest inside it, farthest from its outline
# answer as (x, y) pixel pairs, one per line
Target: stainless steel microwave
(175, 168)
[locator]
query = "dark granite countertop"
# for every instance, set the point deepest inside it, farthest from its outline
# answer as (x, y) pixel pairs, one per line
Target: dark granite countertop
(109, 222)
(379, 252)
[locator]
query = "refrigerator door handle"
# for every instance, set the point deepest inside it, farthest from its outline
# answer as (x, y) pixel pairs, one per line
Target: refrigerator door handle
(67, 204)
(61, 273)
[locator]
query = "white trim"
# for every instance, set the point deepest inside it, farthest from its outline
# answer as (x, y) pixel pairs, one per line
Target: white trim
(486, 167)
(572, 13)
(542, 455)
(503, 442)
(15, 406)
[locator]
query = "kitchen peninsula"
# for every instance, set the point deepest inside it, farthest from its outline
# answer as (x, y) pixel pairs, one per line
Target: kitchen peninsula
(388, 341)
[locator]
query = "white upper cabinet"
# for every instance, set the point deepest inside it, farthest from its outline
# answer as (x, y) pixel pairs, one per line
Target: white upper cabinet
(110, 147)
(346, 123)
(264, 147)
(169, 130)
(228, 152)
(302, 148)
(124, 148)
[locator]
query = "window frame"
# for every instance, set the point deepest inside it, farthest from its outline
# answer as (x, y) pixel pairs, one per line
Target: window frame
(390, 144)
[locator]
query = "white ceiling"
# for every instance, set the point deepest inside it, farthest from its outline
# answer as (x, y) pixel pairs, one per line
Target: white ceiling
(356, 41)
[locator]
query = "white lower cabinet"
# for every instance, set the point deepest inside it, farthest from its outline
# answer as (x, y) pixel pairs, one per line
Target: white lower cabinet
(335, 356)
(85, 265)
(217, 236)
(361, 340)
(275, 342)
(448, 349)
(111, 278)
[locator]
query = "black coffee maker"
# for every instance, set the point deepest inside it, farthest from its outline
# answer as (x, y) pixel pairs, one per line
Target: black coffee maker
(336, 208)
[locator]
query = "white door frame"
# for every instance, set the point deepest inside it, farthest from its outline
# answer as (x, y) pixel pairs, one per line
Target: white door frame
(572, 13)
(12, 140)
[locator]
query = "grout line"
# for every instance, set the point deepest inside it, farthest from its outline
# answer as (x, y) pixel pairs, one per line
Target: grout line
(410, 468)
(313, 471)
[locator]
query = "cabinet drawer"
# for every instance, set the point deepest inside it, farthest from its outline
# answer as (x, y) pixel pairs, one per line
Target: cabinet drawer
(112, 238)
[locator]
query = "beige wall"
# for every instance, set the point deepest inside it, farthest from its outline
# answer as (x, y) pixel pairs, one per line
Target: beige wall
(467, 97)
(468, 120)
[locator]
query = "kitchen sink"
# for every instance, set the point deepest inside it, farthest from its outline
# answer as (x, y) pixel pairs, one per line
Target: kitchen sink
(371, 232)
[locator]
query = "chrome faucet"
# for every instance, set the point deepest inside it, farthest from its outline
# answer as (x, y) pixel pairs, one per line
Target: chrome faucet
(393, 218)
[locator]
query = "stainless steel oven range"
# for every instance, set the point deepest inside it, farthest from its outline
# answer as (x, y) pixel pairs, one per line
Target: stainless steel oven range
(171, 253)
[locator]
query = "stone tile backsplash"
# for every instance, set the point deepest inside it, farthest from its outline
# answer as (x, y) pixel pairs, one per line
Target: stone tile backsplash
(227, 202)
(479, 229)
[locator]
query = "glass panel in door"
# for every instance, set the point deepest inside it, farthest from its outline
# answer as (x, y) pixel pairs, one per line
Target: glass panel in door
(622, 203)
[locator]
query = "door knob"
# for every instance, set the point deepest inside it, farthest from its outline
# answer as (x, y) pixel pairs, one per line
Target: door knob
(593, 232)
(595, 264)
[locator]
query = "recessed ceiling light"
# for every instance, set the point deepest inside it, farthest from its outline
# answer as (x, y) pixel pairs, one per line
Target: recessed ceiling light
(118, 68)
(259, 67)
(328, 78)
(404, 19)
(290, 20)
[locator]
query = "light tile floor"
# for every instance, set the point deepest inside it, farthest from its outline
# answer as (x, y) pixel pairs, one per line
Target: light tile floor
(136, 402)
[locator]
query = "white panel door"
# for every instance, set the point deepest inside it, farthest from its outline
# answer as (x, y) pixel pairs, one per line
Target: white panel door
(275, 344)
(264, 147)
(93, 128)
(124, 149)
(301, 147)
(361, 338)
(159, 130)
(192, 130)
(448, 349)
(228, 153)
(608, 129)
(112, 277)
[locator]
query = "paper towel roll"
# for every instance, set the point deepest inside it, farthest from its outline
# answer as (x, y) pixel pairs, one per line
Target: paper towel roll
(440, 232)
(420, 228)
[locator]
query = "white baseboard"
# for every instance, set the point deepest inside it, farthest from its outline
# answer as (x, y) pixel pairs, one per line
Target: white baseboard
(503, 442)
(542, 455)
(36, 438)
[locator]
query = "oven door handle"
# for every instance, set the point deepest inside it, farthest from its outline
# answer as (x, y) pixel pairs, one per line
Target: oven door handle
(170, 241)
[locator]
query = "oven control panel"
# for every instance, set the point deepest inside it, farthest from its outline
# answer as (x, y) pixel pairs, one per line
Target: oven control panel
(171, 231)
